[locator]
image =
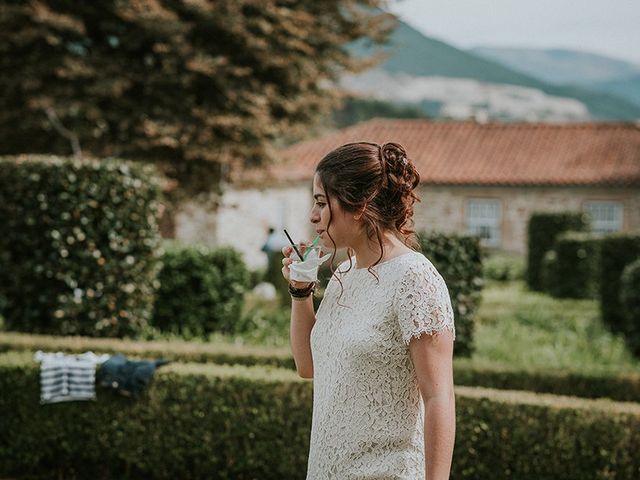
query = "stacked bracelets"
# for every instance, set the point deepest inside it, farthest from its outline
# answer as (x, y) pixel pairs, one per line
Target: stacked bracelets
(302, 293)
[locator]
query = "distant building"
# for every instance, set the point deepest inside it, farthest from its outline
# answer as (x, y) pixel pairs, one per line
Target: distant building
(481, 178)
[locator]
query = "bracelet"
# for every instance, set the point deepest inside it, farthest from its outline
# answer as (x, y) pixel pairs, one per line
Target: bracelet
(300, 299)
(302, 293)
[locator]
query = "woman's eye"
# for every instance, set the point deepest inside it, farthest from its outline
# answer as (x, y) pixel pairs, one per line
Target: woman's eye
(319, 204)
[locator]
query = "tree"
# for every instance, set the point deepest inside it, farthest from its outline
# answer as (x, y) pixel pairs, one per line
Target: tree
(196, 85)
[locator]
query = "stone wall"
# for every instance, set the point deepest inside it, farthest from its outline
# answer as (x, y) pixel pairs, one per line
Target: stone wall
(243, 217)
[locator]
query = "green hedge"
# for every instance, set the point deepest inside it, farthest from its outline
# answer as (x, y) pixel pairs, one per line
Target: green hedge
(630, 302)
(622, 386)
(542, 230)
(618, 250)
(80, 247)
(204, 421)
(570, 267)
(458, 258)
(201, 290)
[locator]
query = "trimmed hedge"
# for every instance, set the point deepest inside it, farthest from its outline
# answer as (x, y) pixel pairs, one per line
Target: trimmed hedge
(201, 421)
(618, 250)
(80, 247)
(542, 230)
(570, 267)
(201, 290)
(458, 258)
(622, 386)
(630, 302)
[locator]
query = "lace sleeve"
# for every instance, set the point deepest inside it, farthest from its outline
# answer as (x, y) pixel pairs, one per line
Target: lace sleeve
(422, 303)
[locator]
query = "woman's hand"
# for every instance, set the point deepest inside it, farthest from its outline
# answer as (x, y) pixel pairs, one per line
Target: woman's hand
(290, 255)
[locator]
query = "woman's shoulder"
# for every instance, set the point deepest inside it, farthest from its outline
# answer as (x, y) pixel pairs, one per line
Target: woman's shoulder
(418, 268)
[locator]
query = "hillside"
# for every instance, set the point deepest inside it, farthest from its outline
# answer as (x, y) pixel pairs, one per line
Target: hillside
(410, 53)
(560, 66)
(628, 88)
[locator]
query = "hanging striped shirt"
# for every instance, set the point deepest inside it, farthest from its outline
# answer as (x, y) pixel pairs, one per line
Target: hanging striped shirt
(65, 378)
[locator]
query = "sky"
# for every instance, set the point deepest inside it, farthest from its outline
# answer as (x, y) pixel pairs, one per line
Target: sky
(608, 27)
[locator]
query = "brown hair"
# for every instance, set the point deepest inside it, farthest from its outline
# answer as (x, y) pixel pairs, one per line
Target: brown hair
(377, 181)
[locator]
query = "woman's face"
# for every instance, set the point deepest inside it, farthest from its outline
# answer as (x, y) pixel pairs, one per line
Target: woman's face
(344, 229)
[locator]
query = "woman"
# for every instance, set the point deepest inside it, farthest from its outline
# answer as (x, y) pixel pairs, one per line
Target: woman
(380, 347)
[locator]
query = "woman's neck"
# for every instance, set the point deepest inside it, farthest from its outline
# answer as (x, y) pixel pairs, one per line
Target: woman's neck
(368, 252)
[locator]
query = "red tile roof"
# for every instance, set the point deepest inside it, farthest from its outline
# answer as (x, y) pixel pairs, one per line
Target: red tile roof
(470, 153)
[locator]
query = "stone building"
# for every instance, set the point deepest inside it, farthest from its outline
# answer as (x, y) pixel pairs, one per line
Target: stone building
(480, 178)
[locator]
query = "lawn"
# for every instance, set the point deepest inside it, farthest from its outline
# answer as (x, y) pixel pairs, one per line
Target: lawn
(515, 328)
(524, 329)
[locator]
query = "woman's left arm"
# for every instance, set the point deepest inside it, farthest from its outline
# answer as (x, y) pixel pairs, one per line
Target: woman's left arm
(432, 356)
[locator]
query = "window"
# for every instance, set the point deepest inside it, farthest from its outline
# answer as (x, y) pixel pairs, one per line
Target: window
(605, 216)
(483, 218)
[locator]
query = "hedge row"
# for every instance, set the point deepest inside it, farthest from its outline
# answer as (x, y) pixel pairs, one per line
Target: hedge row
(458, 258)
(201, 290)
(205, 421)
(80, 244)
(630, 303)
(622, 386)
(570, 269)
(618, 251)
(542, 230)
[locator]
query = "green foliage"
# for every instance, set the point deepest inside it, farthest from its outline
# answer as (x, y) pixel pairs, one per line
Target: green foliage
(201, 290)
(617, 251)
(503, 267)
(458, 258)
(80, 252)
(570, 268)
(191, 84)
(542, 231)
(355, 110)
(274, 276)
(630, 302)
(610, 383)
(230, 420)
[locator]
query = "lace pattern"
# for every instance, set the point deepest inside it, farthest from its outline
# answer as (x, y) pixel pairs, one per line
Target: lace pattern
(423, 304)
(368, 414)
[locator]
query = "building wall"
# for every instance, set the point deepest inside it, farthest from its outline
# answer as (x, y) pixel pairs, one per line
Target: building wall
(244, 215)
(442, 207)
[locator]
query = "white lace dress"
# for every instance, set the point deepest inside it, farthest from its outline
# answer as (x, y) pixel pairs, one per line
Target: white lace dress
(368, 414)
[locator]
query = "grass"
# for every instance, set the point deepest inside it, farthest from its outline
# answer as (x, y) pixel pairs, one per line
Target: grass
(515, 329)
(531, 330)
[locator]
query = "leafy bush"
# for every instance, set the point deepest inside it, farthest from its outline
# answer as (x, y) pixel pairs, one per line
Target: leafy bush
(630, 302)
(81, 245)
(200, 419)
(201, 290)
(617, 251)
(542, 231)
(503, 267)
(570, 268)
(617, 385)
(458, 258)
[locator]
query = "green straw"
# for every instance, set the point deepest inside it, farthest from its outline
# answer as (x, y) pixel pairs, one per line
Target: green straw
(308, 249)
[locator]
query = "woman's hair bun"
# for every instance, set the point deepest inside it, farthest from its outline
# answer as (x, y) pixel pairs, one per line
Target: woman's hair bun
(398, 168)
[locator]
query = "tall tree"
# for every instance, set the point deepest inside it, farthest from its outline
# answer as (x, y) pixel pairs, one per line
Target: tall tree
(192, 84)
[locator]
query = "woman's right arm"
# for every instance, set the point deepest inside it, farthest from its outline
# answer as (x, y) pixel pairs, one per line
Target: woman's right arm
(303, 317)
